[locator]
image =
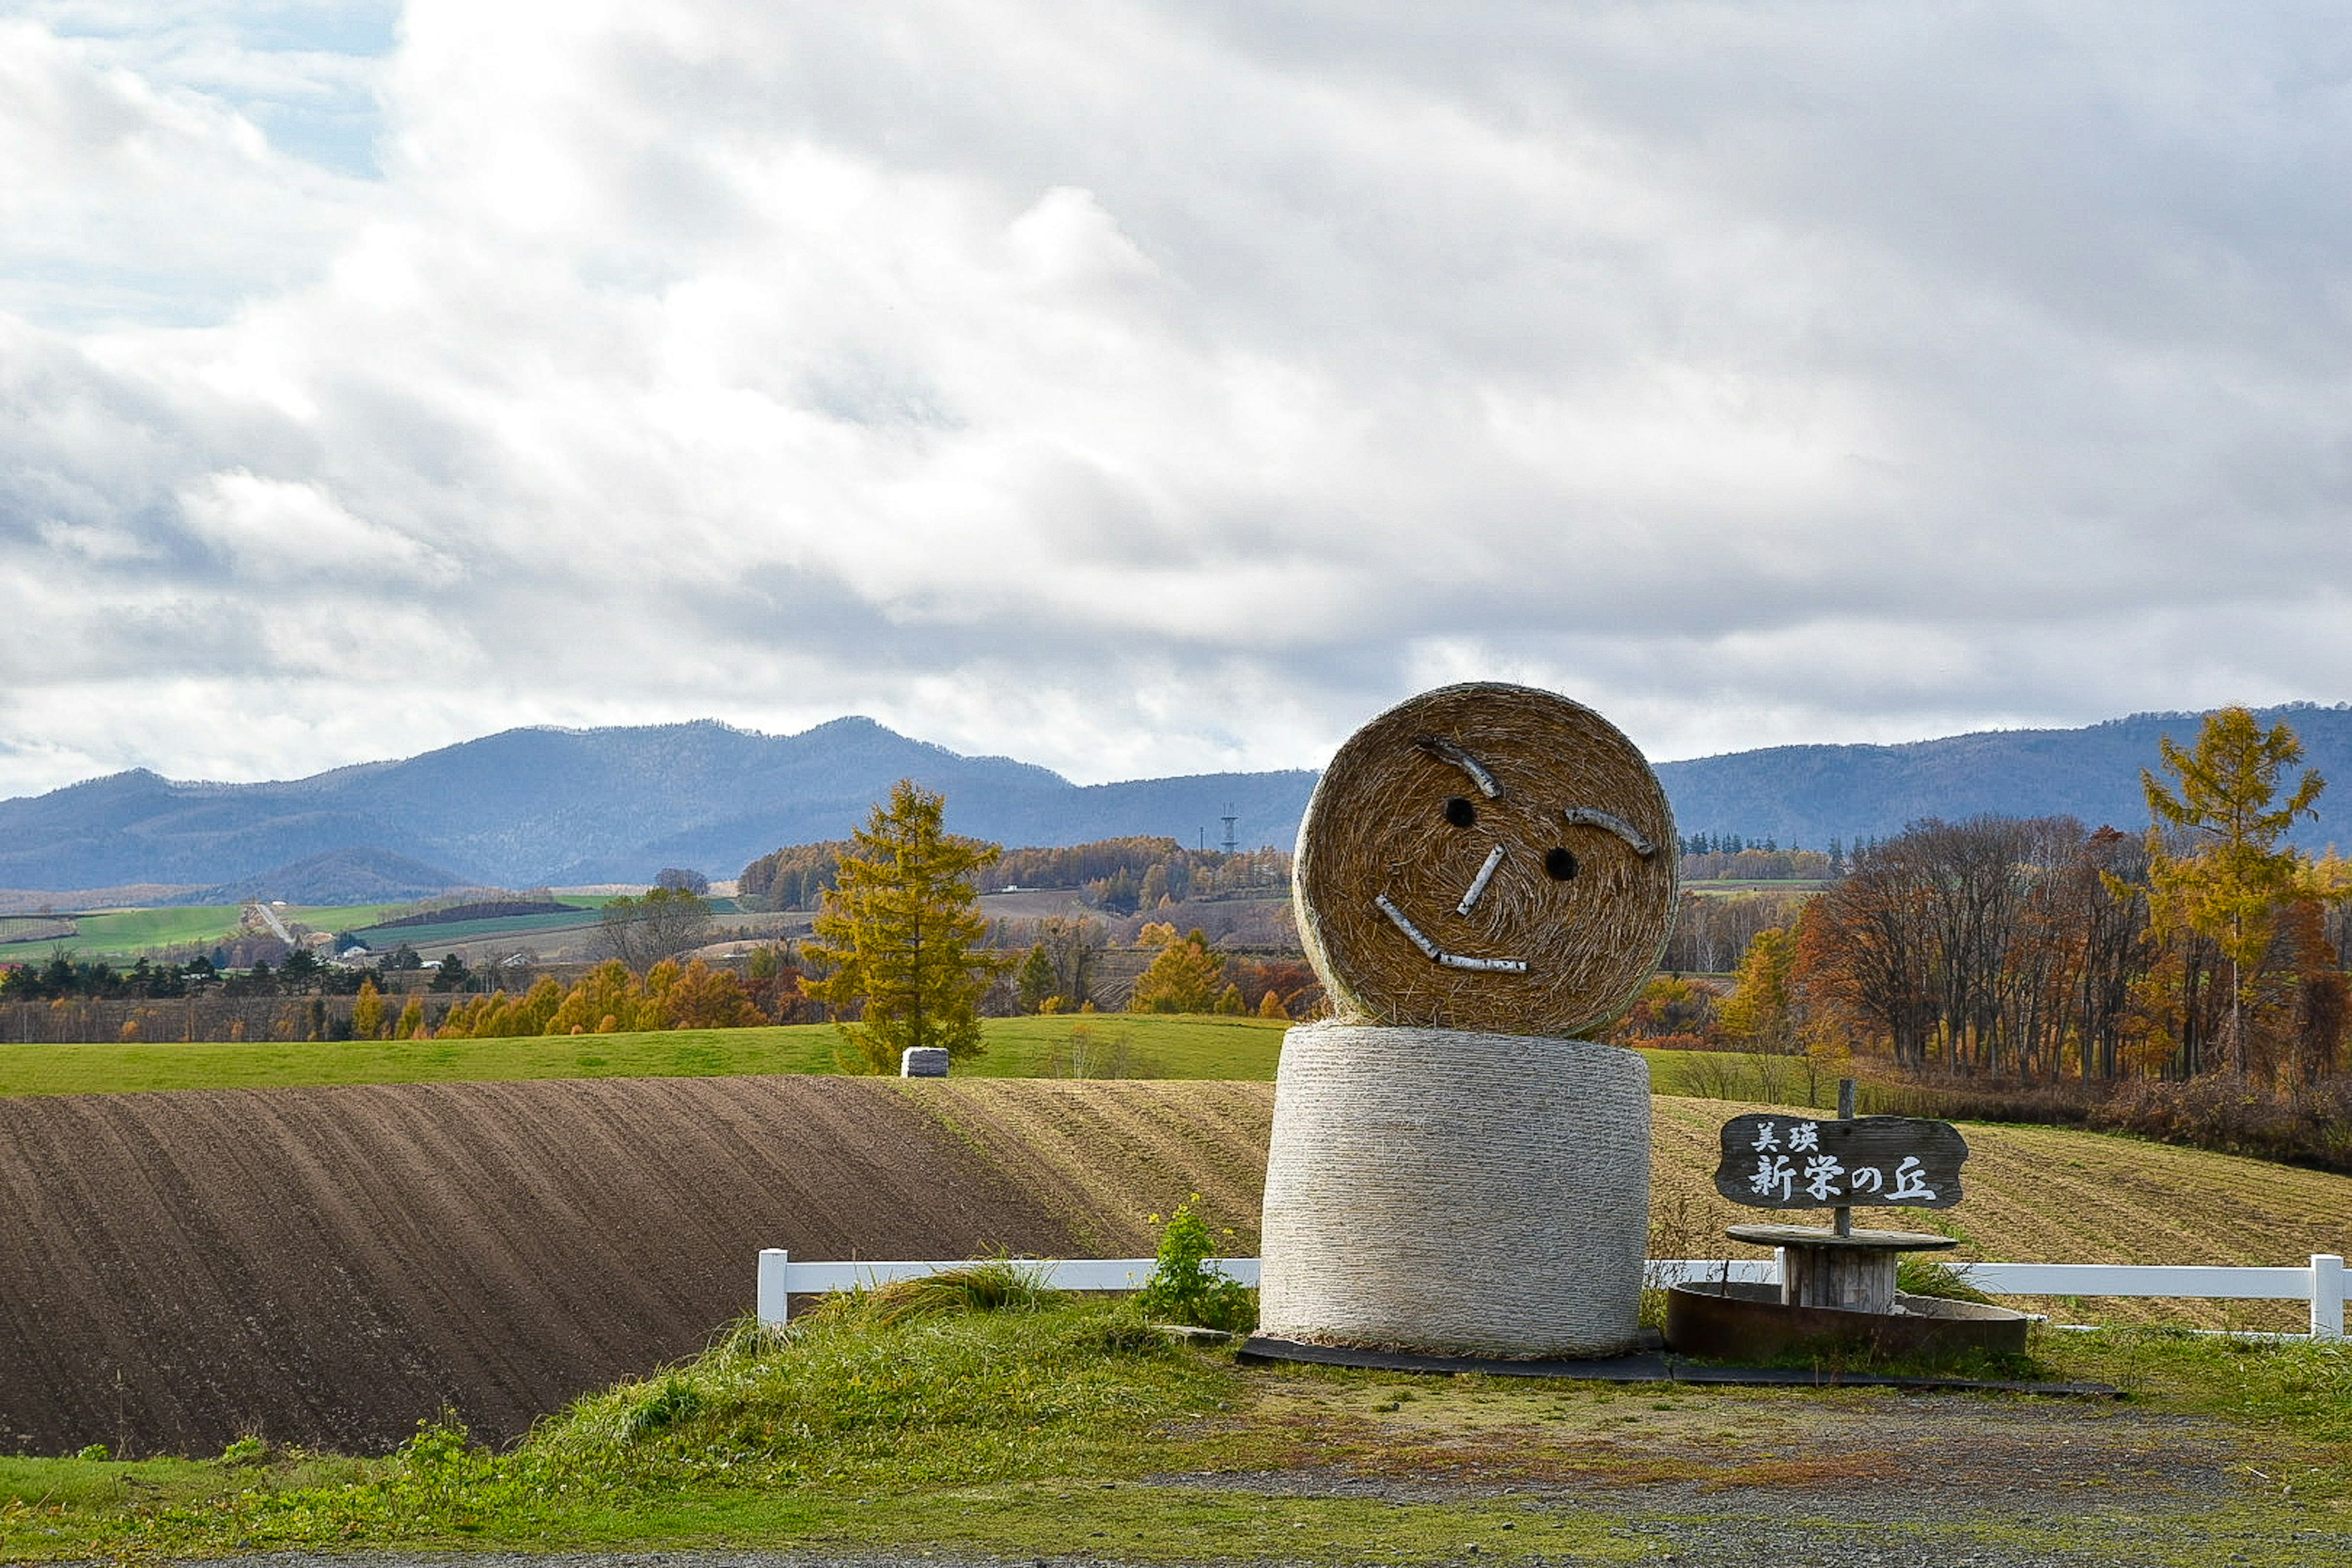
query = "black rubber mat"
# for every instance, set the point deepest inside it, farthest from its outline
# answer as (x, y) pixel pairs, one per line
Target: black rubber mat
(1647, 1367)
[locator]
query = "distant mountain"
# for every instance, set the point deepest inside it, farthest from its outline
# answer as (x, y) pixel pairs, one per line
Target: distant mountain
(1808, 794)
(357, 875)
(535, 807)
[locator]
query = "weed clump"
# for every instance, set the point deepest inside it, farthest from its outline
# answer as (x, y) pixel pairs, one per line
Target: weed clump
(1183, 1288)
(998, 1285)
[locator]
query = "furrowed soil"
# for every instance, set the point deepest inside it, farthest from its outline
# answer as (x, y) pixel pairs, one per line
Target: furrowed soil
(327, 1266)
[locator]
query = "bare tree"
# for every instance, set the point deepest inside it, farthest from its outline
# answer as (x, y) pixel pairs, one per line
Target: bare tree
(641, 933)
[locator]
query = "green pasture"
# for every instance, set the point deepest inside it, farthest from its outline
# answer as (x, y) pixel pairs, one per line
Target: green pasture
(125, 933)
(1083, 1045)
(1077, 1045)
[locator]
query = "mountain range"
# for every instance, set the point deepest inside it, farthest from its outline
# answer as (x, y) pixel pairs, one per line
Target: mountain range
(538, 807)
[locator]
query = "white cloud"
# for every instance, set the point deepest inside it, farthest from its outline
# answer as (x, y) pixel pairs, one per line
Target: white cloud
(1158, 387)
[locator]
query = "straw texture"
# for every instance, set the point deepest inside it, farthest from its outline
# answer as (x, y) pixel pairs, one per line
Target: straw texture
(1410, 916)
(1442, 1191)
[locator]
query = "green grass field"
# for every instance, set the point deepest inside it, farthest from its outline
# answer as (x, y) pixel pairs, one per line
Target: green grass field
(1099, 1046)
(1047, 1428)
(125, 933)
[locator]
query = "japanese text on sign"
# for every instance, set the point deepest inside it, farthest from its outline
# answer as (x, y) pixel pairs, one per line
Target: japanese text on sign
(1797, 1161)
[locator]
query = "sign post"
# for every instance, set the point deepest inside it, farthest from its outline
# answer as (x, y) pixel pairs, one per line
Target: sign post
(1780, 1162)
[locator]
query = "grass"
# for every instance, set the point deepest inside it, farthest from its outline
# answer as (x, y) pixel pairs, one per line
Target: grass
(1021, 1424)
(1104, 1045)
(125, 933)
(1145, 1046)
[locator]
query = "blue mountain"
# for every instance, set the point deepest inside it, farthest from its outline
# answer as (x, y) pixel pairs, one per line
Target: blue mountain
(532, 807)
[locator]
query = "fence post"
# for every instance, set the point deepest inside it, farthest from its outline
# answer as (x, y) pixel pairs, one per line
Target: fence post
(775, 1307)
(2326, 1296)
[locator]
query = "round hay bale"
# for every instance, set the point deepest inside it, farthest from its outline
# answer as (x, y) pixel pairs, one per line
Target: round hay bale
(1486, 856)
(1438, 1191)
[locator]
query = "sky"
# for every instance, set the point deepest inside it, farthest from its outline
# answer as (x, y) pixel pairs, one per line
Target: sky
(1143, 388)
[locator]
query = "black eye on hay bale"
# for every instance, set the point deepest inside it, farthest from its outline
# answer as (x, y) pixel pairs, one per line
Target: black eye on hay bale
(1489, 858)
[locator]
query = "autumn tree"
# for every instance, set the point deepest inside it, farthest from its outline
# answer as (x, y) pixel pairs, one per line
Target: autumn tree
(2221, 872)
(901, 930)
(1761, 1011)
(1182, 978)
(367, 1013)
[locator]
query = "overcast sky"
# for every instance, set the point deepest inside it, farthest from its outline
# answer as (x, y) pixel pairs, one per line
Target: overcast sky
(1149, 388)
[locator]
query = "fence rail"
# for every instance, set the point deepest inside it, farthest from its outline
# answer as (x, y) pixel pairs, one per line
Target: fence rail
(2321, 1285)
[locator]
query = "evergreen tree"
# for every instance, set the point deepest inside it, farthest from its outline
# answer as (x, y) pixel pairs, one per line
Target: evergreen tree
(2234, 877)
(901, 928)
(1035, 983)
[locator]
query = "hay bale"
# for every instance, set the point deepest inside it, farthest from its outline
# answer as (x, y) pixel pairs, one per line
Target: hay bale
(1441, 1191)
(923, 1061)
(1486, 856)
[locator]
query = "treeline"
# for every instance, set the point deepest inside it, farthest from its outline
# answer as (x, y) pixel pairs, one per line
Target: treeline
(1075, 965)
(299, 973)
(1761, 866)
(2024, 950)
(609, 998)
(1122, 876)
(475, 910)
(2188, 982)
(1712, 931)
(458, 1003)
(2037, 950)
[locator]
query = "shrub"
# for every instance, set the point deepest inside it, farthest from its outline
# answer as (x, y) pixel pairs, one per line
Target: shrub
(1184, 1290)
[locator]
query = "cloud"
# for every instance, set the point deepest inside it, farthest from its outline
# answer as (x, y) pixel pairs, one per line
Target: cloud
(1153, 387)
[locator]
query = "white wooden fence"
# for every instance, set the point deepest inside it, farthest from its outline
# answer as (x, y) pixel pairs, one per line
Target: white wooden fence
(2321, 1285)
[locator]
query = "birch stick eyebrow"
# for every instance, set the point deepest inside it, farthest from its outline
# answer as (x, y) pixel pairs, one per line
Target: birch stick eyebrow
(1479, 883)
(1593, 817)
(1446, 751)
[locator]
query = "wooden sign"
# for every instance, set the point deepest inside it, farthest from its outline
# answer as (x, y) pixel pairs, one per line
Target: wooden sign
(1782, 1161)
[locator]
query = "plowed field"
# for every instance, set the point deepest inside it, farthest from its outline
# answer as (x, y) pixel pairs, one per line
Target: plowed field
(326, 1266)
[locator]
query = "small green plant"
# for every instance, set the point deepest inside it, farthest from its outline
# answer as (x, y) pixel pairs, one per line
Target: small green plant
(93, 1451)
(1183, 1288)
(247, 1450)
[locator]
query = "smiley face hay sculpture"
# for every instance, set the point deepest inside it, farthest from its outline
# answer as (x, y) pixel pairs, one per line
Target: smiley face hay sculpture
(1485, 873)
(1486, 856)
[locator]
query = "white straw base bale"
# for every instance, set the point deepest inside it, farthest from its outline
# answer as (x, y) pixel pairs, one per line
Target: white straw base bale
(1441, 1191)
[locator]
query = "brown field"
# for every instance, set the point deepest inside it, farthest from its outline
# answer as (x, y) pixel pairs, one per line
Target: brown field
(327, 1266)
